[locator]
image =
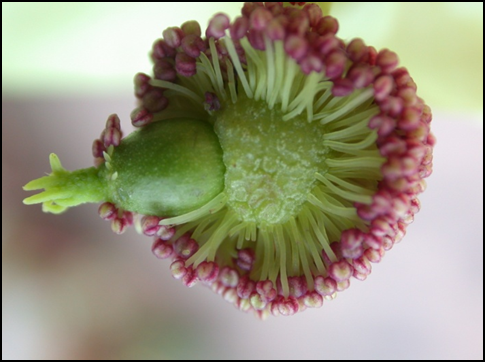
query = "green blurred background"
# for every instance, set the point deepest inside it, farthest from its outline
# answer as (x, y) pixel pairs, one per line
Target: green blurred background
(73, 290)
(93, 48)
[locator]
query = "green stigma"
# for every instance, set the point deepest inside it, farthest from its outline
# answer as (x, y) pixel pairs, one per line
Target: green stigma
(64, 189)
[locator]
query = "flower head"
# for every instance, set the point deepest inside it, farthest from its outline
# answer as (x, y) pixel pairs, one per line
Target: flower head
(275, 161)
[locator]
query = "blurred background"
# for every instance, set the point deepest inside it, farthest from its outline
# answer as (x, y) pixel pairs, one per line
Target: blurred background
(71, 289)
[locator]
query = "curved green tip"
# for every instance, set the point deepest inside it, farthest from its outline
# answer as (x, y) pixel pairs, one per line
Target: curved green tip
(64, 189)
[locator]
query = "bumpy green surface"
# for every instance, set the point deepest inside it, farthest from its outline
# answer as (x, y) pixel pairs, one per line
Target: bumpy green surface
(271, 163)
(167, 168)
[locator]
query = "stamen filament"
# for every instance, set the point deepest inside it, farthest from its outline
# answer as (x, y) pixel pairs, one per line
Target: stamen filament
(270, 61)
(327, 86)
(231, 81)
(260, 69)
(351, 105)
(237, 64)
(168, 85)
(217, 68)
(325, 206)
(305, 265)
(291, 230)
(318, 229)
(268, 253)
(348, 185)
(359, 115)
(291, 69)
(356, 163)
(209, 71)
(211, 207)
(346, 147)
(279, 64)
(203, 224)
(349, 132)
(365, 199)
(281, 250)
(311, 243)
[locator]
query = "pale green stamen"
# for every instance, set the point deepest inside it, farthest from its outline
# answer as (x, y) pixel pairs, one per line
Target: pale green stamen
(237, 65)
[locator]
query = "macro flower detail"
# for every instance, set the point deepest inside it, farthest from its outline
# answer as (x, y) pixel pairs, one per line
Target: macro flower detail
(274, 162)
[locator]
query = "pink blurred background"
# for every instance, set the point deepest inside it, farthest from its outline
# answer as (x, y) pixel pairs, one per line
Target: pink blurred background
(71, 289)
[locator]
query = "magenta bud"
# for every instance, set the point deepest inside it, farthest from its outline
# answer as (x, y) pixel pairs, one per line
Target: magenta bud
(260, 18)
(314, 13)
(335, 64)
(217, 26)
(164, 70)
(107, 211)
(325, 286)
(327, 25)
(173, 36)
(154, 100)
(229, 277)
(287, 306)
(141, 117)
(275, 30)
(298, 286)
(387, 60)
(256, 39)
(383, 86)
(162, 50)
(98, 148)
(341, 87)
(257, 302)
(185, 65)
(192, 45)
(245, 259)
(357, 50)
(340, 271)
(119, 226)
(112, 136)
(149, 225)
(185, 247)
(191, 28)
(178, 269)
(190, 278)
(239, 28)
(161, 249)
(385, 125)
(207, 272)
(113, 121)
(245, 287)
(313, 300)
(351, 243)
(296, 47)
(361, 75)
(211, 102)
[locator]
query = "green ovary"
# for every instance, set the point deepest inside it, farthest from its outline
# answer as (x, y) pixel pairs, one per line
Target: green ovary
(167, 168)
(270, 163)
